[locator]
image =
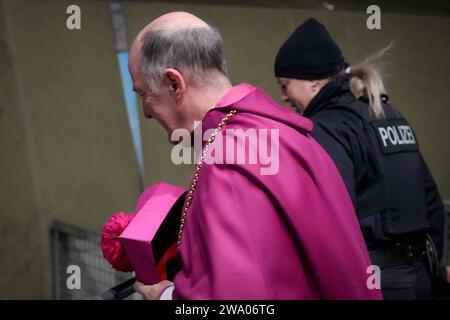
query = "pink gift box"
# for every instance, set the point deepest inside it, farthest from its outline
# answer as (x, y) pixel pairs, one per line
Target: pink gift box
(154, 228)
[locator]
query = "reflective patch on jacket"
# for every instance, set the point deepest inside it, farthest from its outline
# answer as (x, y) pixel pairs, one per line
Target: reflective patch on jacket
(395, 136)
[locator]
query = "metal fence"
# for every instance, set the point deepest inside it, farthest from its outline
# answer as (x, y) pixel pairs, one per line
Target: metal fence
(75, 249)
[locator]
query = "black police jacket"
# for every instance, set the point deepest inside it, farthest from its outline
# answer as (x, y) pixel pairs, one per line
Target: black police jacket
(392, 190)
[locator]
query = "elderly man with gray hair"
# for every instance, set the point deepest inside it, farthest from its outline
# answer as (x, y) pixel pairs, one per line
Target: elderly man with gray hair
(246, 233)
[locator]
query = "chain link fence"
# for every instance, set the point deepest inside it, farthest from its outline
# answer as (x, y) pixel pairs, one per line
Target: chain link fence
(76, 252)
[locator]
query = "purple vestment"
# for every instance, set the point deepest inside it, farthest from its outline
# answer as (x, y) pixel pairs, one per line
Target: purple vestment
(289, 235)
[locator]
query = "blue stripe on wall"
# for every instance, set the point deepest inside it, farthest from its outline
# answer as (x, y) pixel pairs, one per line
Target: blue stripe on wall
(131, 105)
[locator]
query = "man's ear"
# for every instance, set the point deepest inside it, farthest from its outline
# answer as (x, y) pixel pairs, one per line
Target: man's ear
(176, 82)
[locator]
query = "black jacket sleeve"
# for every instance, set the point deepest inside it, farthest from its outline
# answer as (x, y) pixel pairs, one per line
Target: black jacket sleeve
(436, 211)
(340, 136)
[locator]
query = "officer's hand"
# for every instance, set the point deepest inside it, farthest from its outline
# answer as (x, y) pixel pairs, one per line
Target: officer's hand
(151, 292)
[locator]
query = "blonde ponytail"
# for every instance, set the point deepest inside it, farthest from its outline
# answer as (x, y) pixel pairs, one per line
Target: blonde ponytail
(367, 81)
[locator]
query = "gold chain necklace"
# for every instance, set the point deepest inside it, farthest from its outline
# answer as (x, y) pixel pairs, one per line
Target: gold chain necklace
(193, 185)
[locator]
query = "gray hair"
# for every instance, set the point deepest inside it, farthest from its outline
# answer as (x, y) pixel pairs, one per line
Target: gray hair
(196, 52)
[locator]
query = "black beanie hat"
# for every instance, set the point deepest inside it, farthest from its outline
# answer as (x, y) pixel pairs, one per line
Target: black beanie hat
(310, 53)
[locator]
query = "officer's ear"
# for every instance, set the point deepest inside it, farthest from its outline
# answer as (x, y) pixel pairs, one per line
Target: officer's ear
(315, 86)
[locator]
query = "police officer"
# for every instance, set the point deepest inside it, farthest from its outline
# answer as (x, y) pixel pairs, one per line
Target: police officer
(376, 151)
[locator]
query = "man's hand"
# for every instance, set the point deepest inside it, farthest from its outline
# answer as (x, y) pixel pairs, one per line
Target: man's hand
(151, 292)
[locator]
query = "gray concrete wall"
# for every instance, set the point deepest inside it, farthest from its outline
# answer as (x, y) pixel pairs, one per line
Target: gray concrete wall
(21, 245)
(65, 145)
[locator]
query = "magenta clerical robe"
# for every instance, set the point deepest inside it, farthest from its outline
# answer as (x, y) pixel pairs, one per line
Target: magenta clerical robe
(292, 234)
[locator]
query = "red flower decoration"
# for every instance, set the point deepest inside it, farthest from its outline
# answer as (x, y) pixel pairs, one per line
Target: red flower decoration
(112, 248)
